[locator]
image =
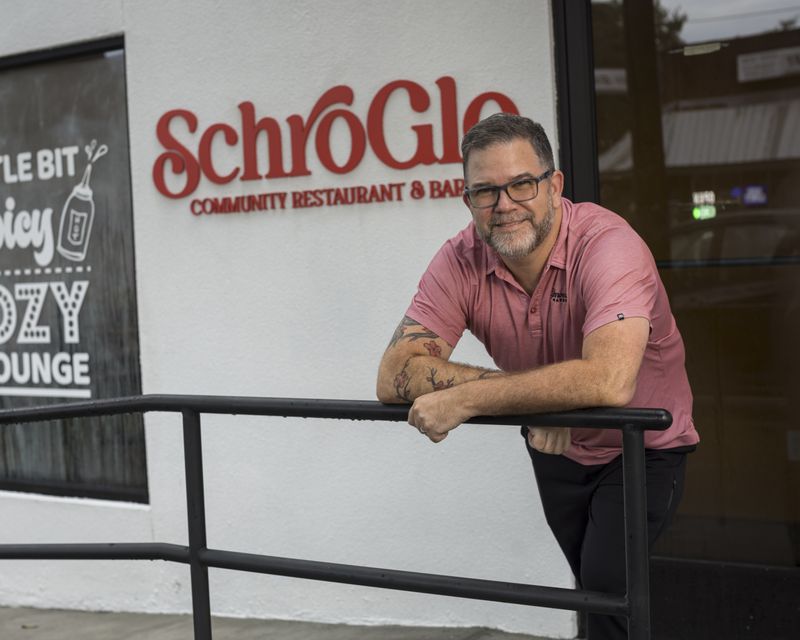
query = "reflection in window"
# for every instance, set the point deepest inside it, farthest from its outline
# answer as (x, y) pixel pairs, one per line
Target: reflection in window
(698, 135)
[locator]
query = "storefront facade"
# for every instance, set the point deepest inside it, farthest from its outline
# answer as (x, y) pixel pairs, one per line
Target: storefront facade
(241, 200)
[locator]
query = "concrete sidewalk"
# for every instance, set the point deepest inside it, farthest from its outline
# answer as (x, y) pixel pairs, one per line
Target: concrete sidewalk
(53, 624)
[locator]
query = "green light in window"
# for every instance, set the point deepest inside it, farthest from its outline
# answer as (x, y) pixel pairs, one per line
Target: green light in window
(704, 212)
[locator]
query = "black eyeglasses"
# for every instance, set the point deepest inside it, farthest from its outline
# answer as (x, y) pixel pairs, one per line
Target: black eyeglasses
(519, 190)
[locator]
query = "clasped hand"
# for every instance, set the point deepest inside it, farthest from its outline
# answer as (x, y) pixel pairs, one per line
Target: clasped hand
(436, 414)
(553, 440)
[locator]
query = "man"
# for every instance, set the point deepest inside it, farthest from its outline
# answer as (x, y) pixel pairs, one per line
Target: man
(567, 300)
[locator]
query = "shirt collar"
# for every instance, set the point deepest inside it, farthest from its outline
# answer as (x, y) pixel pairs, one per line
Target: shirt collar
(558, 256)
(493, 261)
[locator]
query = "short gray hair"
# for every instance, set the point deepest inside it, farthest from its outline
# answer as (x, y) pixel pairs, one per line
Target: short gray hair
(505, 127)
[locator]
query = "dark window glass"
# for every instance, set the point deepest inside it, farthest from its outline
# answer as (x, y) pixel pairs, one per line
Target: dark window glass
(698, 133)
(68, 321)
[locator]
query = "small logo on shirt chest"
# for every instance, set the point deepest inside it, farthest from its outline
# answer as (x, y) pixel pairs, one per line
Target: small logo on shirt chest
(558, 296)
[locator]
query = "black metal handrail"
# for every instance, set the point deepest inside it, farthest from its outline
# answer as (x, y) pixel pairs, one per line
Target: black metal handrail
(635, 604)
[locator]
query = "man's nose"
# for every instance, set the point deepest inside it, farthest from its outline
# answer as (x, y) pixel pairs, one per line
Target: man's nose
(504, 201)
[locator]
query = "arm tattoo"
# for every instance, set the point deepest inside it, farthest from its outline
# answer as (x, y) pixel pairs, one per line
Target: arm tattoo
(438, 385)
(401, 383)
(489, 374)
(433, 349)
(400, 332)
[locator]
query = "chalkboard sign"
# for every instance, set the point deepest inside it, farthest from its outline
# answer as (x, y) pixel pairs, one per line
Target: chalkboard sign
(68, 319)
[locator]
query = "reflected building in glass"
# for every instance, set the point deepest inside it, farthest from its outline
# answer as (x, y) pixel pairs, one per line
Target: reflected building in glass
(698, 146)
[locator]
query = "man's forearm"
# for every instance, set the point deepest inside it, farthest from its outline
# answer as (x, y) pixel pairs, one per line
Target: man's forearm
(568, 385)
(605, 376)
(417, 375)
(559, 387)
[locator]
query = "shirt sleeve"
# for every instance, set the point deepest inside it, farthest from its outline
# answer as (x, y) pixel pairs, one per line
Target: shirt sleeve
(439, 304)
(619, 278)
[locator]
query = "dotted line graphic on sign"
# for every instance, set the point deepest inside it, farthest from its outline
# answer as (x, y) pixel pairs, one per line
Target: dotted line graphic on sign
(46, 271)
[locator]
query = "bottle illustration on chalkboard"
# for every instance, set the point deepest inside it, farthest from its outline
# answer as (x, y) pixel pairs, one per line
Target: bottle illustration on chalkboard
(78, 213)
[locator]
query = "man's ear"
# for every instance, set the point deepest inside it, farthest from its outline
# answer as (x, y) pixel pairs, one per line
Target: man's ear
(466, 201)
(556, 186)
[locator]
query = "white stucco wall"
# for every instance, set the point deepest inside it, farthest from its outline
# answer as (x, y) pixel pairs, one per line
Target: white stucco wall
(299, 303)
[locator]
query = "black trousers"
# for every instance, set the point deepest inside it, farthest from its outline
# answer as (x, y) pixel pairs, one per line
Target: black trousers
(583, 506)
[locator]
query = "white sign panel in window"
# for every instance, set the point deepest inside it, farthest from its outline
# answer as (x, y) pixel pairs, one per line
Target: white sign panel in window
(764, 65)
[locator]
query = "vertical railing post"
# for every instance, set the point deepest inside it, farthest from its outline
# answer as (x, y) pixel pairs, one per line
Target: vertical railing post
(637, 561)
(196, 517)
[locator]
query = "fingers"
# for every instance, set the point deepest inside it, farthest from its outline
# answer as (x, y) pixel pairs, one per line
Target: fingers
(537, 438)
(417, 420)
(551, 440)
(431, 433)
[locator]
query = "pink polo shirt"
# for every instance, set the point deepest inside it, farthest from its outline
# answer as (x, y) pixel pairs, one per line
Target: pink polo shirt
(599, 271)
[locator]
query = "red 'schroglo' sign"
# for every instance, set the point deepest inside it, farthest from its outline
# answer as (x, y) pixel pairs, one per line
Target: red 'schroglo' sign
(191, 159)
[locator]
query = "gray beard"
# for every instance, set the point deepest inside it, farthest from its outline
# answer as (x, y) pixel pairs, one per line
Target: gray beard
(516, 248)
